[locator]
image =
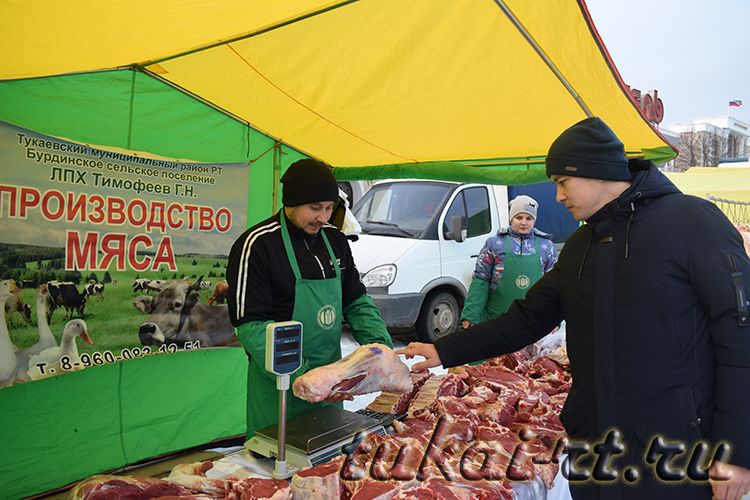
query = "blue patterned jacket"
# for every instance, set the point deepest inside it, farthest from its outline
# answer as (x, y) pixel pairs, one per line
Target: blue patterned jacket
(491, 260)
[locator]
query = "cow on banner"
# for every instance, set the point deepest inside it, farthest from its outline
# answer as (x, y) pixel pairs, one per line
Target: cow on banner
(175, 316)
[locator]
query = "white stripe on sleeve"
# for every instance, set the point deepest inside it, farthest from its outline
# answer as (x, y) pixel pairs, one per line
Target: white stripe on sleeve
(244, 258)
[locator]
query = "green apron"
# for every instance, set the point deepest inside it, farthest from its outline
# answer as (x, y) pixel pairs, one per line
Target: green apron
(519, 273)
(318, 306)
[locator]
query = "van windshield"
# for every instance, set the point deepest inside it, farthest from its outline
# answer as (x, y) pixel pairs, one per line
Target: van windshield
(400, 209)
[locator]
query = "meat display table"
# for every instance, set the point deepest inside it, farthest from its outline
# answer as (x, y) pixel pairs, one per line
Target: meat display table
(451, 419)
(240, 462)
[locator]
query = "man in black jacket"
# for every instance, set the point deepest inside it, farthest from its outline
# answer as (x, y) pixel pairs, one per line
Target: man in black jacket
(654, 292)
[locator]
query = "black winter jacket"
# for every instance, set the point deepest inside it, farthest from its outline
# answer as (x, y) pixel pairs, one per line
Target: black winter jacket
(655, 340)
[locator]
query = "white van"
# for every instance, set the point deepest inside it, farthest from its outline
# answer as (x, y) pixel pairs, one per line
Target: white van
(354, 190)
(418, 247)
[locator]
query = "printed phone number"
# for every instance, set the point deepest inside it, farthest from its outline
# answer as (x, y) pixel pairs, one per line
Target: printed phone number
(107, 357)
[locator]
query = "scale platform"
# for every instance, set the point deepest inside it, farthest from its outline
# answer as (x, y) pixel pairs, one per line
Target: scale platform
(316, 436)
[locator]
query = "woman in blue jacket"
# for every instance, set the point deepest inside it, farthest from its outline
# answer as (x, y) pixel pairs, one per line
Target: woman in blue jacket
(509, 263)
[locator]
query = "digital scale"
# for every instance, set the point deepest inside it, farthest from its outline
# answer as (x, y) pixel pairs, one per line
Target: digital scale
(313, 437)
(316, 436)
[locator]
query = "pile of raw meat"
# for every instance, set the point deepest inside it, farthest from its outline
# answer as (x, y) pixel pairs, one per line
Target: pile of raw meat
(466, 436)
(477, 434)
(186, 481)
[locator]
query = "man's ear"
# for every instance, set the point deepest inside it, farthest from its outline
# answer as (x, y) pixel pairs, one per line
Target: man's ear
(143, 303)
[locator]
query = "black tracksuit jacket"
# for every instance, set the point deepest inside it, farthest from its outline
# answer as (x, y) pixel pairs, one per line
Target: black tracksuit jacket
(259, 251)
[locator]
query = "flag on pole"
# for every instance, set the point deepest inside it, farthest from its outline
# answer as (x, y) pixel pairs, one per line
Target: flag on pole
(736, 103)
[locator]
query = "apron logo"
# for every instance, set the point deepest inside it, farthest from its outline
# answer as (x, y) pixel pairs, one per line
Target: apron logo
(523, 281)
(326, 317)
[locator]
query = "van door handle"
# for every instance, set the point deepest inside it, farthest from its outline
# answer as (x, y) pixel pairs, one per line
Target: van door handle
(475, 256)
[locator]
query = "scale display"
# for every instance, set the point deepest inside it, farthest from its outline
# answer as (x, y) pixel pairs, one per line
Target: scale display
(284, 347)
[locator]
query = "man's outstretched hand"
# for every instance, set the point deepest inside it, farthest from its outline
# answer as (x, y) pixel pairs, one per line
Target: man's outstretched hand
(729, 482)
(427, 351)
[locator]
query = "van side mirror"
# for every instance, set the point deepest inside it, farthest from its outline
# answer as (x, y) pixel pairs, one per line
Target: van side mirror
(457, 232)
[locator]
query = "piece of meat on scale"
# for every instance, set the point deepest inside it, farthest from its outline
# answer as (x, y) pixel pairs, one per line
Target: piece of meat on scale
(370, 368)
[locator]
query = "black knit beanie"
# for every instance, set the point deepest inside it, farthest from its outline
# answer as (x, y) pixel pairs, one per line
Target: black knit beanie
(308, 181)
(588, 149)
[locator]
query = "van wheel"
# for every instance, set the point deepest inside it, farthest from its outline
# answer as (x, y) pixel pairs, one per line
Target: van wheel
(439, 316)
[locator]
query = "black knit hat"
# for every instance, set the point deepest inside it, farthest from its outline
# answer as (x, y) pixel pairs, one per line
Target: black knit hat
(588, 149)
(308, 181)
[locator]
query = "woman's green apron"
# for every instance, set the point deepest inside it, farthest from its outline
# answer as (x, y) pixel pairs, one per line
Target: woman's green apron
(519, 273)
(317, 305)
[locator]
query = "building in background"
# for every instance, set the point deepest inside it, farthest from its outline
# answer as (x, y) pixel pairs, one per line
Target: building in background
(674, 140)
(706, 142)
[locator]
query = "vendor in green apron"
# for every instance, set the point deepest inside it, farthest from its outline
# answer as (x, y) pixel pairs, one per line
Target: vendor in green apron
(509, 263)
(295, 266)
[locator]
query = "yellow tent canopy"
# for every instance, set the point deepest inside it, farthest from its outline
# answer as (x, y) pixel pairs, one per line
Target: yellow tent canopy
(727, 183)
(355, 83)
(728, 187)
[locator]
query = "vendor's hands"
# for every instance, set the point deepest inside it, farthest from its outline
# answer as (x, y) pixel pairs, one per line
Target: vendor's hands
(427, 351)
(466, 324)
(338, 397)
(729, 482)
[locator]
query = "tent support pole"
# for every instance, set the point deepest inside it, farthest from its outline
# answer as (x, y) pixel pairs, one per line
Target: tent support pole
(252, 33)
(198, 98)
(131, 110)
(538, 49)
(276, 175)
(217, 108)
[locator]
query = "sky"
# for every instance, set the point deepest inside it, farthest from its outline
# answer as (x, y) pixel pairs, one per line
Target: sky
(696, 53)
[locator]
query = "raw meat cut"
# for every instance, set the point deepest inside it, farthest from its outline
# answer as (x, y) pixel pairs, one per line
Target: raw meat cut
(430, 490)
(440, 489)
(193, 476)
(511, 360)
(186, 481)
(445, 385)
(251, 488)
(417, 428)
(371, 368)
(383, 458)
(497, 375)
(560, 356)
(372, 489)
(321, 481)
(104, 487)
(453, 385)
(395, 403)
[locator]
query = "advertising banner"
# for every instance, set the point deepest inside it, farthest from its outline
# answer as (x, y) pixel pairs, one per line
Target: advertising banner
(106, 256)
